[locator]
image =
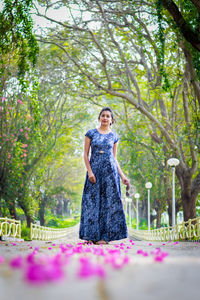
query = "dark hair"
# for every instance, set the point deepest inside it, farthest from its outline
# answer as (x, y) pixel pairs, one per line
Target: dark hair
(107, 109)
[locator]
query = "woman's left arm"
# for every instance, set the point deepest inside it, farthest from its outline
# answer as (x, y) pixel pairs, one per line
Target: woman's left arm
(121, 174)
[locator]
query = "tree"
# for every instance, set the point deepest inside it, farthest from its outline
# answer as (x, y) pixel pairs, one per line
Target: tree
(117, 53)
(191, 35)
(18, 46)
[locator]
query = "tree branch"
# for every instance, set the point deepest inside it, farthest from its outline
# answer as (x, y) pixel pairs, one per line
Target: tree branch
(188, 33)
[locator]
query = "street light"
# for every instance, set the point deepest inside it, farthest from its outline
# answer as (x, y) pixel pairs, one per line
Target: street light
(137, 196)
(148, 186)
(173, 162)
(129, 200)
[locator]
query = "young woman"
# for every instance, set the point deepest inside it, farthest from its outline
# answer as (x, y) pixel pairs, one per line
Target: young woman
(102, 215)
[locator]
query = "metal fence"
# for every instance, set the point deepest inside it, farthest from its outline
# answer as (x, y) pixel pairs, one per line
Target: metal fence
(47, 233)
(10, 228)
(185, 231)
(189, 230)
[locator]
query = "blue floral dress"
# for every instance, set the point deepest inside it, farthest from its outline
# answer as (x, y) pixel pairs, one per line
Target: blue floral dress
(102, 214)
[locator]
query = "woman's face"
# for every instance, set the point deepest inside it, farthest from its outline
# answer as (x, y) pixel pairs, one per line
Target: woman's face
(106, 118)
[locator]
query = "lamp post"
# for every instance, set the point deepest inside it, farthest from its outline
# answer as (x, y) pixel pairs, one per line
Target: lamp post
(128, 201)
(148, 186)
(137, 196)
(126, 206)
(173, 162)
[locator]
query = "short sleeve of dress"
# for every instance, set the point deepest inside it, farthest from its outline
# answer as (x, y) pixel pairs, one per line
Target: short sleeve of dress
(89, 134)
(116, 138)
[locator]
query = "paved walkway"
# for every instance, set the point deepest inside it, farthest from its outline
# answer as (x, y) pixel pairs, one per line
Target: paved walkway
(176, 277)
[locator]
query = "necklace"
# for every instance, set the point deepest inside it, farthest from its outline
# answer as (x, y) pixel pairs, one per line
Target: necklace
(104, 131)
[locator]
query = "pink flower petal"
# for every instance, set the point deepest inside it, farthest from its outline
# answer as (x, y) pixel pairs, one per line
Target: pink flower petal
(16, 262)
(118, 262)
(175, 243)
(158, 258)
(1, 259)
(30, 258)
(88, 269)
(69, 245)
(41, 273)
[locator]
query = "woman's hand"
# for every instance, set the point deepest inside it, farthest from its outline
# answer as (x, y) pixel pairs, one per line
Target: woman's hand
(91, 176)
(125, 180)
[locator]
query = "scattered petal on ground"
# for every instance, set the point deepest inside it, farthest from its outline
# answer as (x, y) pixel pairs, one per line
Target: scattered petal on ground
(140, 251)
(88, 269)
(175, 243)
(1, 259)
(39, 268)
(16, 262)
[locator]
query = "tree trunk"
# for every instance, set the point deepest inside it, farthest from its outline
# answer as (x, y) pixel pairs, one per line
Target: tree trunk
(29, 218)
(13, 214)
(59, 208)
(158, 217)
(41, 213)
(65, 206)
(170, 213)
(188, 194)
(143, 210)
(189, 34)
(0, 208)
(189, 206)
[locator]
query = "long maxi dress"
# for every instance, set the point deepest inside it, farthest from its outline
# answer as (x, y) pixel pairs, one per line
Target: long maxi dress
(102, 214)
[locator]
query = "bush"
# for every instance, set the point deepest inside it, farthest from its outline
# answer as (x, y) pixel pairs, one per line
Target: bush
(25, 232)
(142, 224)
(53, 221)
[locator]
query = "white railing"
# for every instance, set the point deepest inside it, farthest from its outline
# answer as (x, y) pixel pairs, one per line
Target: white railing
(10, 228)
(184, 231)
(47, 233)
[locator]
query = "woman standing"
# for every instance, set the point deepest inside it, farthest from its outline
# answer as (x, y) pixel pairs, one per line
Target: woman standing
(102, 215)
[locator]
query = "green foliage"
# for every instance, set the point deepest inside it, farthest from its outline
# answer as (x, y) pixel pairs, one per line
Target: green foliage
(17, 38)
(58, 222)
(190, 14)
(61, 103)
(25, 232)
(161, 46)
(142, 223)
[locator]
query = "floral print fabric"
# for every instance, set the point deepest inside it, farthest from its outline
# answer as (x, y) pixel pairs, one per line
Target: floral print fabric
(102, 214)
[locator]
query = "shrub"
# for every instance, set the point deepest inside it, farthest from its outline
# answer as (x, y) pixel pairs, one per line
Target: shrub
(25, 232)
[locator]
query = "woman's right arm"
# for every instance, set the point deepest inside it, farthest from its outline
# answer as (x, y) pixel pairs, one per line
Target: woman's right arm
(86, 160)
